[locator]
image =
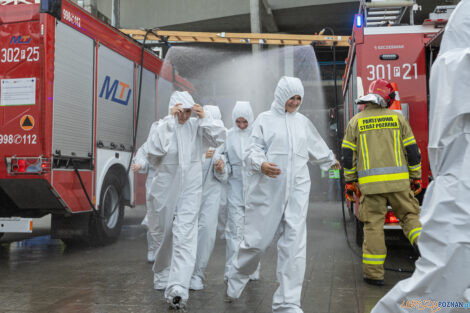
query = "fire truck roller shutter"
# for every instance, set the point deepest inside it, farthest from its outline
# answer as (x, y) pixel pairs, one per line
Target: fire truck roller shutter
(73, 92)
(147, 114)
(115, 99)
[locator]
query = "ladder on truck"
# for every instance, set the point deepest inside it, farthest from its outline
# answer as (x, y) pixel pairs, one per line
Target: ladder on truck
(386, 12)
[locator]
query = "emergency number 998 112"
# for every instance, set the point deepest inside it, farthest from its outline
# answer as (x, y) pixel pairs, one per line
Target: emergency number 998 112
(10, 139)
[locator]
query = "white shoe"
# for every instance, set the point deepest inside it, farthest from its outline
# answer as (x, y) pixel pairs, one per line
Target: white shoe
(196, 283)
(175, 300)
(151, 256)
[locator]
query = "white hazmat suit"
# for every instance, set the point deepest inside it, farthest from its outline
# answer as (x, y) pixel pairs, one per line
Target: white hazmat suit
(146, 168)
(234, 147)
(175, 194)
(289, 140)
(208, 214)
(442, 273)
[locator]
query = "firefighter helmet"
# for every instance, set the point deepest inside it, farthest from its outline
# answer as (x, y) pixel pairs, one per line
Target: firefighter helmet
(384, 89)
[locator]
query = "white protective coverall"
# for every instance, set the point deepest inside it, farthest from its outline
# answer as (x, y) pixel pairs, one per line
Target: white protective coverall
(289, 140)
(175, 194)
(208, 214)
(234, 147)
(141, 158)
(442, 271)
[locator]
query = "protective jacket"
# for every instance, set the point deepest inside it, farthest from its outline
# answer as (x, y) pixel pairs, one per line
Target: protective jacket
(441, 273)
(289, 140)
(175, 194)
(380, 151)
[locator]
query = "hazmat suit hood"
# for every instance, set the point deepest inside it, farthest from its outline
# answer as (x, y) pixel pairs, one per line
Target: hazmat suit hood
(183, 97)
(449, 110)
(287, 87)
(242, 109)
(213, 111)
(457, 32)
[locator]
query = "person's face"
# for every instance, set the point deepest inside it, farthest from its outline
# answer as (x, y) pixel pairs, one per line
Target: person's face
(293, 103)
(184, 116)
(241, 123)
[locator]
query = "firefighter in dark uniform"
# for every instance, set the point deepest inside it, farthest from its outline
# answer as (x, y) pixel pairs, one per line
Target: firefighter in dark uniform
(382, 163)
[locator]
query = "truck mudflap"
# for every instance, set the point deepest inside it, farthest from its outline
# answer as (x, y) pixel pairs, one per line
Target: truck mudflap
(28, 198)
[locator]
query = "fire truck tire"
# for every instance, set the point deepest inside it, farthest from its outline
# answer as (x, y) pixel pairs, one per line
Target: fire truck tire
(359, 232)
(106, 227)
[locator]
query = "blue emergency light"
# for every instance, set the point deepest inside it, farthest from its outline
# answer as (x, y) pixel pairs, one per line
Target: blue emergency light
(358, 21)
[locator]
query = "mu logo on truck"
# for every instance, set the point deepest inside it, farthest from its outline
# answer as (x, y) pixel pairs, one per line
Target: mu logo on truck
(117, 90)
(20, 40)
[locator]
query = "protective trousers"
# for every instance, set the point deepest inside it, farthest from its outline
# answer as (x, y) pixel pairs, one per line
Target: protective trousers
(235, 220)
(291, 260)
(207, 229)
(372, 210)
(177, 237)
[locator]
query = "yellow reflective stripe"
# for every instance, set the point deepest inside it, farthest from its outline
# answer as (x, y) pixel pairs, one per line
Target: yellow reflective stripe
(414, 237)
(409, 141)
(373, 262)
(413, 231)
(415, 167)
(365, 151)
(351, 171)
(409, 138)
(374, 256)
(395, 146)
(347, 144)
(398, 148)
(383, 178)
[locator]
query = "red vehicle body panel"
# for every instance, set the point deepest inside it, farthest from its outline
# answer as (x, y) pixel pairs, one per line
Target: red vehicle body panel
(23, 33)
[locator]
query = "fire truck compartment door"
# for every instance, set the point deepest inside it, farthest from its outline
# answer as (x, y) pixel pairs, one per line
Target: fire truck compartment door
(73, 92)
(148, 105)
(115, 99)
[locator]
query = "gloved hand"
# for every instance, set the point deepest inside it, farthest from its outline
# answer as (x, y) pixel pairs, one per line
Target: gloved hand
(415, 185)
(350, 189)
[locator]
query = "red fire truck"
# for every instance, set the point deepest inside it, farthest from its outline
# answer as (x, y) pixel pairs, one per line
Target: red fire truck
(69, 86)
(383, 48)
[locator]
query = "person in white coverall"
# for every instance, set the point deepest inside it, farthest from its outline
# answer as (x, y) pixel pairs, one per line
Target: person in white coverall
(141, 165)
(237, 141)
(175, 149)
(277, 194)
(213, 175)
(442, 273)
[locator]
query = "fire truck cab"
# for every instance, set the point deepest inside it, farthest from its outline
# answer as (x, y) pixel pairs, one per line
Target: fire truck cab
(68, 114)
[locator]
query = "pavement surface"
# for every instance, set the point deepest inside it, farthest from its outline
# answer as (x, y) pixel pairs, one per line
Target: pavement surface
(44, 275)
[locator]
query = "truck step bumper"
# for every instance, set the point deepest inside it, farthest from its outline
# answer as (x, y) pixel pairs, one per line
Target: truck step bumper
(16, 225)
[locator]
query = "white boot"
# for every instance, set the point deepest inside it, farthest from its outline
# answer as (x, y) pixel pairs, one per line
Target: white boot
(196, 283)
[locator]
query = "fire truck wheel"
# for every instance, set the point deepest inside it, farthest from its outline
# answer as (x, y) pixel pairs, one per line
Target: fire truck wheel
(359, 232)
(107, 227)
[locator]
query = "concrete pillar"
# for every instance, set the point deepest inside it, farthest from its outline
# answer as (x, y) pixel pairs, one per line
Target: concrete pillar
(116, 13)
(255, 20)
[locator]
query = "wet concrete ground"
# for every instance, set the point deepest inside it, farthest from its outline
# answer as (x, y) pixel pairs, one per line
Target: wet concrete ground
(43, 275)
